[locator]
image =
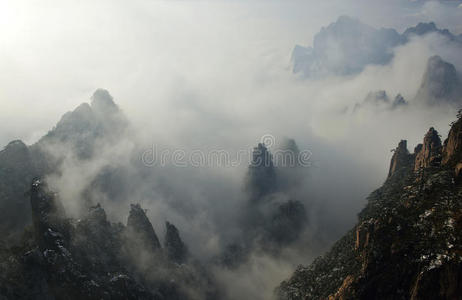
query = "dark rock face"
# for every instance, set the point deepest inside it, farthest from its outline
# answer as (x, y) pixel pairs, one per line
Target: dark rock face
(97, 243)
(440, 83)
(80, 134)
(261, 175)
(47, 216)
(17, 170)
(272, 217)
(175, 248)
(140, 230)
(87, 259)
(439, 283)
(430, 153)
(287, 222)
(401, 159)
(72, 262)
(411, 226)
(452, 149)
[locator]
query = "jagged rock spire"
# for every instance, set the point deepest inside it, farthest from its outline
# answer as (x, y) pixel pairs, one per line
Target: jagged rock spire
(261, 175)
(96, 215)
(103, 102)
(401, 158)
(430, 153)
(140, 229)
(452, 149)
(175, 248)
(440, 83)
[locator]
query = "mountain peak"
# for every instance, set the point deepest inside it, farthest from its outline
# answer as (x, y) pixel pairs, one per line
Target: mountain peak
(174, 246)
(345, 47)
(141, 229)
(103, 102)
(401, 159)
(430, 153)
(16, 145)
(440, 83)
(410, 224)
(426, 28)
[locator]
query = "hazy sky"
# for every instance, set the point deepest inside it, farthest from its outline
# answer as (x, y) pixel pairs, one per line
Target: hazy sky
(149, 54)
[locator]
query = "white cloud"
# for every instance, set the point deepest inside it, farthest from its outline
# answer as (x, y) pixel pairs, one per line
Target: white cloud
(214, 74)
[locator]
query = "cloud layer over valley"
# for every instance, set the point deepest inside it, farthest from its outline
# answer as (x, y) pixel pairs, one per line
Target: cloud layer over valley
(216, 76)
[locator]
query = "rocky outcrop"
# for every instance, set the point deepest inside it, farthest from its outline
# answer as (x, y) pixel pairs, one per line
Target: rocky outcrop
(261, 174)
(430, 153)
(97, 242)
(17, 170)
(345, 289)
(440, 84)
(83, 130)
(286, 223)
(80, 134)
(48, 217)
(86, 259)
(72, 262)
(363, 234)
(90, 257)
(452, 149)
(401, 159)
(441, 282)
(411, 226)
(140, 230)
(174, 247)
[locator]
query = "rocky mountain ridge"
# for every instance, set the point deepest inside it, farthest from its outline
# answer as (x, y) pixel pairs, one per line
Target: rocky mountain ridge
(347, 46)
(441, 84)
(78, 135)
(411, 226)
(91, 258)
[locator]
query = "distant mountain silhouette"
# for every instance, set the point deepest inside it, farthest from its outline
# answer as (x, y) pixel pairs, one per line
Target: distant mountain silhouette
(347, 46)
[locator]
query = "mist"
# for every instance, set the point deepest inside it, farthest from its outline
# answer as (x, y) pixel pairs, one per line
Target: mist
(216, 76)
